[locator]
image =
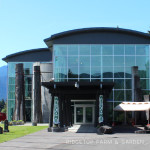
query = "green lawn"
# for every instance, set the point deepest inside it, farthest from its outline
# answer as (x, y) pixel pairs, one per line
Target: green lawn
(18, 131)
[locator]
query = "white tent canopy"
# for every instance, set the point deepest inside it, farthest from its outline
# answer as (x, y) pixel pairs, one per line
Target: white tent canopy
(133, 106)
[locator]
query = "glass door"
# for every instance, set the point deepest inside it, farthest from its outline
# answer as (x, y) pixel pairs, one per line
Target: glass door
(84, 114)
(79, 114)
(88, 114)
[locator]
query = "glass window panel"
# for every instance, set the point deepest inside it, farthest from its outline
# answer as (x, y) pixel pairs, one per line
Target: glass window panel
(60, 61)
(11, 88)
(84, 72)
(27, 71)
(118, 49)
(107, 49)
(119, 61)
(28, 87)
(142, 49)
(107, 72)
(61, 80)
(11, 80)
(72, 49)
(28, 80)
(119, 95)
(28, 95)
(118, 72)
(107, 80)
(119, 83)
(72, 80)
(95, 61)
(73, 72)
(95, 72)
(60, 73)
(128, 72)
(142, 61)
(11, 95)
(128, 95)
(119, 117)
(128, 83)
(145, 92)
(28, 103)
(60, 50)
(143, 72)
(129, 49)
(84, 49)
(129, 61)
(144, 83)
(95, 49)
(107, 61)
(84, 61)
(28, 67)
(84, 80)
(73, 61)
(11, 103)
(110, 98)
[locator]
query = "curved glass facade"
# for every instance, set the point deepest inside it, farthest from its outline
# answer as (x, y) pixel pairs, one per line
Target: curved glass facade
(106, 63)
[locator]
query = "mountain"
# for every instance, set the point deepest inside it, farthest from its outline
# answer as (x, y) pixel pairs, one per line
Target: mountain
(3, 82)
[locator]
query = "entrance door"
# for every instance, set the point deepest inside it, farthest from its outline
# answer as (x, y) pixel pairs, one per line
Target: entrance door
(84, 114)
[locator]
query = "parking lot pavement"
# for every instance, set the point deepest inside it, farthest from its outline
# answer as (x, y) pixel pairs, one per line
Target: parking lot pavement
(44, 140)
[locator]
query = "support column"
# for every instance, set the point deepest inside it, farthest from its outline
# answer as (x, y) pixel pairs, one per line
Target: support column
(51, 114)
(70, 114)
(96, 111)
(37, 110)
(105, 108)
(61, 112)
(19, 113)
(67, 111)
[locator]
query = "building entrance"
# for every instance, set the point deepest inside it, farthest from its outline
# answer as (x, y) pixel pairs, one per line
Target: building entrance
(84, 114)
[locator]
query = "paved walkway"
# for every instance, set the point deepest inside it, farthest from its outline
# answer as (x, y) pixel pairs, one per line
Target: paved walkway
(44, 140)
(82, 129)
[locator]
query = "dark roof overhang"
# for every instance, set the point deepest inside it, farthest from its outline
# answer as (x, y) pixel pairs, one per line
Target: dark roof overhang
(96, 29)
(24, 52)
(90, 89)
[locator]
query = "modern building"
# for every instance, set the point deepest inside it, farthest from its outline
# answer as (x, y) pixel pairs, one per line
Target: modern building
(87, 71)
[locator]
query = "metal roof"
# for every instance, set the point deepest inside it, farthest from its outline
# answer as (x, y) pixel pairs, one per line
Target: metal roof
(97, 29)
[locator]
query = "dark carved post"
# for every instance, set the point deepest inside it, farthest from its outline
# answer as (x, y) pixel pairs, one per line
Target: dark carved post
(60, 112)
(105, 112)
(70, 114)
(67, 111)
(51, 111)
(51, 114)
(19, 113)
(96, 110)
(64, 112)
(136, 90)
(37, 114)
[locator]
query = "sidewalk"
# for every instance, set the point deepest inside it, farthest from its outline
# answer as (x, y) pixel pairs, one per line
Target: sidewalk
(44, 140)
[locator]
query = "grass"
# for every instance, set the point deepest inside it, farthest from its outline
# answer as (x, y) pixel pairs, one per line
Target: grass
(18, 131)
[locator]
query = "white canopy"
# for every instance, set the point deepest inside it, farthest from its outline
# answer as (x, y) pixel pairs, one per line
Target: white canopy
(133, 106)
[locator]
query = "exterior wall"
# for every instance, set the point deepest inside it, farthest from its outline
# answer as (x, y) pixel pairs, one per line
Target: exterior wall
(106, 63)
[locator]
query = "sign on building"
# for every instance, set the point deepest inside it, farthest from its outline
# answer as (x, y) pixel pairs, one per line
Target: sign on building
(101, 108)
(56, 110)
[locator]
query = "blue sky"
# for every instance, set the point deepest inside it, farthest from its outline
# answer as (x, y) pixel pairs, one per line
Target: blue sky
(25, 23)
